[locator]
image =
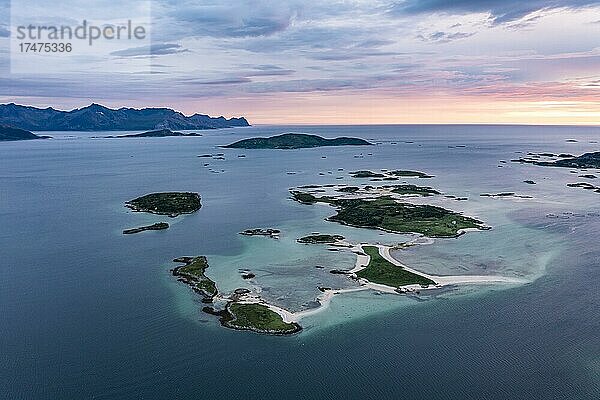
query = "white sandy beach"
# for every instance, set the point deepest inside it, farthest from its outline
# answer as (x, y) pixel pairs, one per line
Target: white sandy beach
(362, 260)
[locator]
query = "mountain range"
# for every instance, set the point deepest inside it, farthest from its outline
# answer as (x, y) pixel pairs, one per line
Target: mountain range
(96, 117)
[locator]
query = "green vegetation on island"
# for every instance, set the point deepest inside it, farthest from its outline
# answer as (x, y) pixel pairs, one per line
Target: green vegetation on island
(168, 203)
(257, 318)
(414, 190)
(366, 174)
(236, 314)
(154, 227)
(390, 215)
(381, 271)
(288, 141)
(307, 198)
(192, 274)
(320, 239)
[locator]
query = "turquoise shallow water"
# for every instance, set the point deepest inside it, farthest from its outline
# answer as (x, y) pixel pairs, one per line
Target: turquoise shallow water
(89, 313)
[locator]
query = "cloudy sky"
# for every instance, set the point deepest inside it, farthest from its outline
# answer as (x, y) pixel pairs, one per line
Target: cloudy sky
(351, 61)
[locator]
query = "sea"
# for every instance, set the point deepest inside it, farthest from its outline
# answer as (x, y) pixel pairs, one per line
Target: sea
(89, 313)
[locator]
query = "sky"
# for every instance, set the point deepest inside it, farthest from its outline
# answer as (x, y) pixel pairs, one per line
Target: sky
(329, 62)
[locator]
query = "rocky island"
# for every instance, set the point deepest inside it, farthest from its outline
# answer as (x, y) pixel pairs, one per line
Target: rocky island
(269, 232)
(168, 203)
(366, 174)
(587, 160)
(154, 227)
(288, 141)
(584, 185)
(389, 175)
(320, 239)
(11, 134)
(410, 174)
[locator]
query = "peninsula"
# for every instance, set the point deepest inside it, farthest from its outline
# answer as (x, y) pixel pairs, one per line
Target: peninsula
(169, 203)
(8, 133)
(381, 271)
(192, 274)
(288, 141)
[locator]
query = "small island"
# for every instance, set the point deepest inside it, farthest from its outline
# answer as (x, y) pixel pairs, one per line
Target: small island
(424, 191)
(587, 160)
(257, 318)
(390, 215)
(584, 185)
(269, 232)
(381, 271)
(349, 189)
(289, 141)
(192, 274)
(389, 175)
(320, 239)
(366, 174)
(154, 227)
(410, 174)
(10, 134)
(155, 134)
(505, 195)
(168, 203)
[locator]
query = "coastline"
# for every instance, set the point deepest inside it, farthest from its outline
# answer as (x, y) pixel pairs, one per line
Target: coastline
(362, 260)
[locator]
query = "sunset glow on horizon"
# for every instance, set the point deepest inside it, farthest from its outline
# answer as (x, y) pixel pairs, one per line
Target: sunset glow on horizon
(348, 62)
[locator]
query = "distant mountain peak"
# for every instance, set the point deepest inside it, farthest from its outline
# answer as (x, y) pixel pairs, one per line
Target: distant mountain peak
(95, 107)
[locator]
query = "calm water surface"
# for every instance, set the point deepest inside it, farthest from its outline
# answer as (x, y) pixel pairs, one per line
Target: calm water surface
(87, 313)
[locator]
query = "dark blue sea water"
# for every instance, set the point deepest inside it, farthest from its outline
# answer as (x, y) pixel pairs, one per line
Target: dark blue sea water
(86, 313)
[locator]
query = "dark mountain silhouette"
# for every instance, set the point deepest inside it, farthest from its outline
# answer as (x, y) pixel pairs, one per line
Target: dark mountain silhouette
(99, 118)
